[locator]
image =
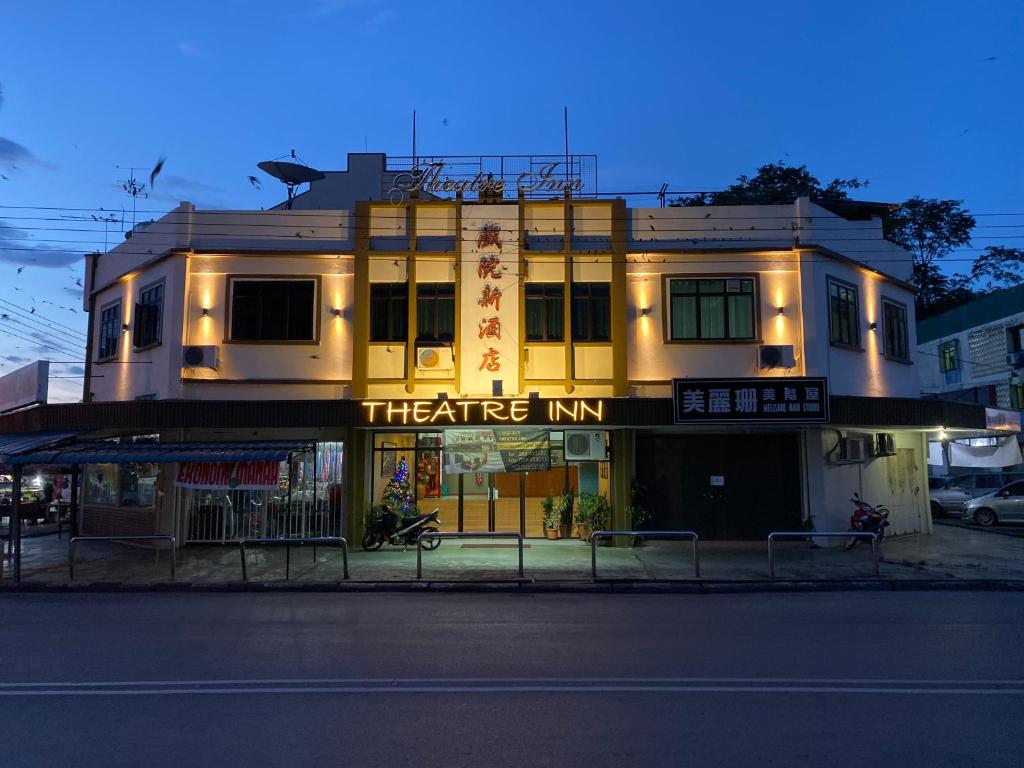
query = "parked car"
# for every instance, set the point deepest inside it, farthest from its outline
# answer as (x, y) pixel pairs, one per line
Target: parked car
(953, 496)
(1006, 504)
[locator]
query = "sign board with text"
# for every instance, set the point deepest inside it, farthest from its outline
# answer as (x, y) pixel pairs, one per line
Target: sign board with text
(497, 450)
(760, 400)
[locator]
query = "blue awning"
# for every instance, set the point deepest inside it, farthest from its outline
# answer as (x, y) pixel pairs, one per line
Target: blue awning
(13, 445)
(107, 452)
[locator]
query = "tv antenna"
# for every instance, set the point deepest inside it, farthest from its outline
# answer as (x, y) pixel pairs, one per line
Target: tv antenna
(134, 187)
(292, 172)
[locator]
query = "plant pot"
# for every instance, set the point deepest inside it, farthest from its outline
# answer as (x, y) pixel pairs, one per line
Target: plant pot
(638, 541)
(565, 531)
(583, 531)
(551, 533)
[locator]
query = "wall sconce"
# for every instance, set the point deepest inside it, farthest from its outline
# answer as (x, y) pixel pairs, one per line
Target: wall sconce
(206, 311)
(124, 326)
(782, 310)
(336, 312)
(645, 311)
(873, 326)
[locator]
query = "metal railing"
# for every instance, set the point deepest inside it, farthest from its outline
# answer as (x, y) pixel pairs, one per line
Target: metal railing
(692, 535)
(456, 535)
(288, 543)
(821, 534)
(73, 543)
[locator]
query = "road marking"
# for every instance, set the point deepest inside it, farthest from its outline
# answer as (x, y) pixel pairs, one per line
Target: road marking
(440, 686)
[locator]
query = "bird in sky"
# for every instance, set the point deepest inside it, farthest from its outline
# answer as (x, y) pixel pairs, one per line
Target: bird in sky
(254, 181)
(20, 270)
(156, 171)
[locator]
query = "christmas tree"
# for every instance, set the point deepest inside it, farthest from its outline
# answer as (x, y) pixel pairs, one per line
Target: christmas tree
(398, 497)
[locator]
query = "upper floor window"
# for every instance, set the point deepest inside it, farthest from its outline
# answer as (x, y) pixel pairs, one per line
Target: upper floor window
(435, 312)
(844, 313)
(1017, 396)
(110, 331)
(894, 330)
(149, 312)
(273, 310)
(591, 312)
(949, 356)
(545, 312)
(389, 312)
(1015, 342)
(713, 308)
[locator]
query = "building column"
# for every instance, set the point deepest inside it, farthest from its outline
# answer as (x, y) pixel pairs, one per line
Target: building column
(357, 472)
(14, 528)
(622, 481)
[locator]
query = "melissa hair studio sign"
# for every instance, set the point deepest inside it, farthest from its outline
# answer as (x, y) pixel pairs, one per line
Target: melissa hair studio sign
(494, 412)
(763, 399)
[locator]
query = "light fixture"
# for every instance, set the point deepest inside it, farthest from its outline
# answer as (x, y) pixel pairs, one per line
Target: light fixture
(873, 326)
(336, 312)
(782, 310)
(124, 326)
(645, 311)
(206, 311)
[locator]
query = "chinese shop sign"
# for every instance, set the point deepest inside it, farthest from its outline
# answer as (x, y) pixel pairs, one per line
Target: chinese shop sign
(229, 475)
(764, 400)
(442, 412)
(496, 450)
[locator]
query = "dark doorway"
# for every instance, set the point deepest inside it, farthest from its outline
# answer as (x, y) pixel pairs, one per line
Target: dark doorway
(721, 486)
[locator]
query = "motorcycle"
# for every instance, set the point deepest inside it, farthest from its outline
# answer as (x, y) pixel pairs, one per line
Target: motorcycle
(391, 529)
(866, 519)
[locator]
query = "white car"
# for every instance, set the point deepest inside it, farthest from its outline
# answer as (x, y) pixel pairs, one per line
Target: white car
(1006, 504)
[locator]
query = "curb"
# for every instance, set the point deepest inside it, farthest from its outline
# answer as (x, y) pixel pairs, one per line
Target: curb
(651, 587)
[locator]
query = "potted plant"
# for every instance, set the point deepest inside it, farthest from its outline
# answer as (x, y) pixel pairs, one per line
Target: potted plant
(552, 518)
(593, 514)
(637, 512)
(561, 506)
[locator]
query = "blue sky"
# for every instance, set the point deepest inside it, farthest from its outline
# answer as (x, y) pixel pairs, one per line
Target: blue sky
(919, 98)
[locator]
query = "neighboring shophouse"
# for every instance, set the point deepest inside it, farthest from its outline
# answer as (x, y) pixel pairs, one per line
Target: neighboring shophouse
(975, 354)
(748, 367)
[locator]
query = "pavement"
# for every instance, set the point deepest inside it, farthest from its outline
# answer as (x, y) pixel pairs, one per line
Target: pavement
(951, 556)
(837, 679)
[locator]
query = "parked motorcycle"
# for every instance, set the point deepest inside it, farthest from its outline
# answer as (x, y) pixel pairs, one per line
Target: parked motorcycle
(389, 528)
(866, 519)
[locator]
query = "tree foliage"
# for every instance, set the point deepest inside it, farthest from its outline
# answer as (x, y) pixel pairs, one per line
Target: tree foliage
(774, 183)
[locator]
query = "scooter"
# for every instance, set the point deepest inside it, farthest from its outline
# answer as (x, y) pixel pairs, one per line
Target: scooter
(866, 519)
(405, 531)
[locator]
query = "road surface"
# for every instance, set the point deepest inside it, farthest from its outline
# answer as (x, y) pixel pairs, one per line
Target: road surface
(838, 679)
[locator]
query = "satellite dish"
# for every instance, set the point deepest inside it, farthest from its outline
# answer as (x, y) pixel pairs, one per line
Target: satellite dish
(291, 174)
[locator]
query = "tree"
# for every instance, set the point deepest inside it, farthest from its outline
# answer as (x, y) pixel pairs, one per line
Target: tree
(998, 267)
(774, 183)
(931, 229)
(398, 497)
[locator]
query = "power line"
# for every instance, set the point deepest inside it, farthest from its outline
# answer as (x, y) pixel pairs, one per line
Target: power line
(25, 310)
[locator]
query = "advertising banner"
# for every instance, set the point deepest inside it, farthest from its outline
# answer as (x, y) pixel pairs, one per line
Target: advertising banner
(496, 450)
(229, 475)
(25, 386)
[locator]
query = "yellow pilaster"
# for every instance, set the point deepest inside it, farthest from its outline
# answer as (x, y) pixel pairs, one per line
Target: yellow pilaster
(361, 302)
(620, 374)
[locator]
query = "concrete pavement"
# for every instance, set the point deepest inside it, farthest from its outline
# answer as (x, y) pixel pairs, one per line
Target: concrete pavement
(842, 679)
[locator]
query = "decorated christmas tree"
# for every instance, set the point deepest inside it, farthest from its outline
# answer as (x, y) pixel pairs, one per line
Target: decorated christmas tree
(398, 495)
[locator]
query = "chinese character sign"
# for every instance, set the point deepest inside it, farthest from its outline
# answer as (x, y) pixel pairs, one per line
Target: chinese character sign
(490, 318)
(762, 399)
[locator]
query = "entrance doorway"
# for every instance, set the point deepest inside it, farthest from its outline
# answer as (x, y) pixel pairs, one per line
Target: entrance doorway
(722, 486)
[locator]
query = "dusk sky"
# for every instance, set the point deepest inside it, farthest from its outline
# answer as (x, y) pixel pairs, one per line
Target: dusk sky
(919, 98)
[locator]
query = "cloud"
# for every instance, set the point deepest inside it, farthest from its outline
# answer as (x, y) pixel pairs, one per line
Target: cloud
(15, 248)
(17, 359)
(173, 189)
(72, 369)
(12, 153)
(76, 292)
(191, 48)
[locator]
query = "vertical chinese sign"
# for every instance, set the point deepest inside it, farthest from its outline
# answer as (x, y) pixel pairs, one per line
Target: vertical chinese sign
(490, 299)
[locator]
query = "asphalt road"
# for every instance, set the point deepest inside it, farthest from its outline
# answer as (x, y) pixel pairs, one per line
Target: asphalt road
(838, 679)
(1007, 529)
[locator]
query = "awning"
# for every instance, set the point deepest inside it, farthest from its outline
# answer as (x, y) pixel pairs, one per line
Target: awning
(12, 445)
(107, 452)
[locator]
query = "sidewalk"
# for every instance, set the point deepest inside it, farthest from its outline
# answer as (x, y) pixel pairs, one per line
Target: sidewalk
(950, 554)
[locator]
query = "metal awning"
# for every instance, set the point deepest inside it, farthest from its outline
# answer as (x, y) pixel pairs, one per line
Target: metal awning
(107, 452)
(13, 445)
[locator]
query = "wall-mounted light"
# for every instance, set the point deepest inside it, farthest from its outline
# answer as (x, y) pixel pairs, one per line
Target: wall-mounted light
(873, 326)
(206, 311)
(124, 326)
(645, 311)
(336, 312)
(782, 310)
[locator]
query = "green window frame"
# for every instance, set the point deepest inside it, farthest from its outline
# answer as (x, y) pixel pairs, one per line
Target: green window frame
(273, 310)
(435, 312)
(110, 331)
(949, 356)
(149, 314)
(894, 330)
(591, 312)
(389, 312)
(713, 308)
(844, 314)
(545, 312)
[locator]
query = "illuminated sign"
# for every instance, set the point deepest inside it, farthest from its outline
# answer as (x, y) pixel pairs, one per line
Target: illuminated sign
(443, 412)
(762, 399)
(431, 177)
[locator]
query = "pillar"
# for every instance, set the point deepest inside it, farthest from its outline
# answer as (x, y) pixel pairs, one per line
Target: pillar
(622, 480)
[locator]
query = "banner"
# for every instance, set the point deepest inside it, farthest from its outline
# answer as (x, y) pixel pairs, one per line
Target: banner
(496, 450)
(229, 475)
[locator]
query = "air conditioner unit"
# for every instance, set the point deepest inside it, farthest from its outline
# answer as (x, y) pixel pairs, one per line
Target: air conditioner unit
(200, 356)
(849, 451)
(584, 445)
(435, 359)
(885, 444)
(775, 356)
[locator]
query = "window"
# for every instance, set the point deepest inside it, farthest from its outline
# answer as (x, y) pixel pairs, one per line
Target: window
(1015, 489)
(110, 331)
(101, 484)
(1017, 396)
(989, 482)
(435, 312)
(138, 484)
(949, 356)
(273, 310)
(844, 326)
(1016, 338)
(591, 311)
(894, 328)
(545, 307)
(389, 312)
(149, 312)
(715, 308)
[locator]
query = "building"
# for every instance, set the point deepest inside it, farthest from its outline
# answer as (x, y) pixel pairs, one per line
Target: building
(510, 334)
(975, 354)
